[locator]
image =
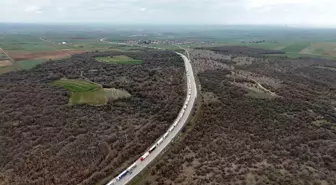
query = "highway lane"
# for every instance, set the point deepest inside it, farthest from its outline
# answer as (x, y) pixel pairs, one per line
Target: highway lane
(141, 165)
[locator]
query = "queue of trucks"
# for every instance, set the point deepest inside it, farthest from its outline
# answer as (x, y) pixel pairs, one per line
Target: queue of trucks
(152, 148)
(130, 169)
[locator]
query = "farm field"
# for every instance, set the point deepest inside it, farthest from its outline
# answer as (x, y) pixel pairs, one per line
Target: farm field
(29, 64)
(33, 49)
(74, 85)
(3, 56)
(242, 136)
(48, 55)
(122, 59)
(5, 63)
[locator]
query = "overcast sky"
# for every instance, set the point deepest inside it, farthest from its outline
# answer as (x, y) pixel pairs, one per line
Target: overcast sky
(279, 12)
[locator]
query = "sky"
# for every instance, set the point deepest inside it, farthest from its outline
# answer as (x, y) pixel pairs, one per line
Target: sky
(317, 13)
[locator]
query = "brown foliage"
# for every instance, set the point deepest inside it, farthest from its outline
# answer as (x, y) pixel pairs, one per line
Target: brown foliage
(288, 140)
(43, 140)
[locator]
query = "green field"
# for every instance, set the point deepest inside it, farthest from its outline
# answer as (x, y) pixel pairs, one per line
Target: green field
(97, 97)
(122, 59)
(29, 64)
(295, 47)
(84, 92)
(77, 85)
(3, 56)
(7, 69)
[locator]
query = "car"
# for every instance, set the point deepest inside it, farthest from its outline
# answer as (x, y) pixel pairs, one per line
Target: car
(144, 156)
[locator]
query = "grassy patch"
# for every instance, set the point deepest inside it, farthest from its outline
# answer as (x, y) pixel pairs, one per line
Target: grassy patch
(29, 64)
(271, 46)
(77, 85)
(7, 69)
(122, 59)
(84, 92)
(295, 48)
(3, 56)
(97, 97)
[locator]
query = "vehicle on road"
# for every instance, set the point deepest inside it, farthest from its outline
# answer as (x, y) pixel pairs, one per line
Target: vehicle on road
(123, 174)
(131, 168)
(159, 141)
(152, 149)
(144, 156)
(165, 135)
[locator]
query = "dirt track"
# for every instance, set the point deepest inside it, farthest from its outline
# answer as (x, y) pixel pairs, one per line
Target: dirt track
(10, 58)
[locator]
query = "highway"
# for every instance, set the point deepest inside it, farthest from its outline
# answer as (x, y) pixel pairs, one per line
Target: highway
(185, 114)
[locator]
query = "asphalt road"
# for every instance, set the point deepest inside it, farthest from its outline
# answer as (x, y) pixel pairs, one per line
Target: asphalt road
(143, 164)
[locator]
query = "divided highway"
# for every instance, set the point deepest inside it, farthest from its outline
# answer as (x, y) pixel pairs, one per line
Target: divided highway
(156, 148)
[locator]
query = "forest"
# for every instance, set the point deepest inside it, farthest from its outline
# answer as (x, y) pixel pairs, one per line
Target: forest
(44, 140)
(263, 120)
(242, 51)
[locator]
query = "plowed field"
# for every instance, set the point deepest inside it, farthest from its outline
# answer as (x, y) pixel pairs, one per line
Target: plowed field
(46, 55)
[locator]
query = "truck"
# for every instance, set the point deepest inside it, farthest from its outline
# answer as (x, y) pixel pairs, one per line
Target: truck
(144, 156)
(159, 141)
(171, 129)
(122, 175)
(132, 167)
(165, 135)
(152, 149)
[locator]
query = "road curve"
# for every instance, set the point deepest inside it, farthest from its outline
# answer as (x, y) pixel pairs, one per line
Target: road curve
(173, 130)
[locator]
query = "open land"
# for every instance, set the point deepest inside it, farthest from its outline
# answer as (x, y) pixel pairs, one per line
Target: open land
(119, 60)
(44, 140)
(269, 121)
(87, 92)
(5, 63)
(48, 55)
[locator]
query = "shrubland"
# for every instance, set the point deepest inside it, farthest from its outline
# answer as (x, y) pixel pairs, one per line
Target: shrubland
(244, 135)
(44, 140)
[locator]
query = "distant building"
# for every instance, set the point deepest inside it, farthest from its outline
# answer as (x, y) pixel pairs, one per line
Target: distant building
(64, 43)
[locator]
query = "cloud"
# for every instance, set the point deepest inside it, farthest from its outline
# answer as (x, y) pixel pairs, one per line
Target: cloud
(33, 9)
(172, 11)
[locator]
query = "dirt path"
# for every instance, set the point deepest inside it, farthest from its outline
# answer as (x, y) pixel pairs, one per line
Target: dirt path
(263, 88)
(50, 42)
(10, 58)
